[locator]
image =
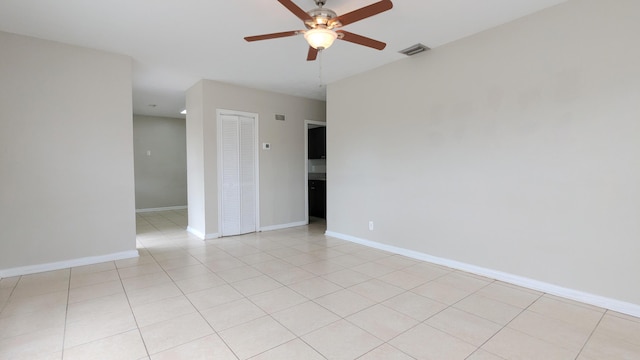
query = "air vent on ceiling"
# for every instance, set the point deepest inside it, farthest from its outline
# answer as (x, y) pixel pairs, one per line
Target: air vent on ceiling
(279, 117)
(415, 49)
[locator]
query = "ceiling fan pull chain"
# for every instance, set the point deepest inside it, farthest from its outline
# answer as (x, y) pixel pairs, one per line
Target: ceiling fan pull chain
(320, 68)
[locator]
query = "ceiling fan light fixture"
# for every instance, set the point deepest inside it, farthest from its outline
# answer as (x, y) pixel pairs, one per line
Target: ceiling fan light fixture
(320, 38)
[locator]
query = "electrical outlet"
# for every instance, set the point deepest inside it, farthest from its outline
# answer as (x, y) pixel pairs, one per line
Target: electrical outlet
(371, 225)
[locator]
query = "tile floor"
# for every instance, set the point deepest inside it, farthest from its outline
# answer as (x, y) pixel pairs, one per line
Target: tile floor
(291, 294)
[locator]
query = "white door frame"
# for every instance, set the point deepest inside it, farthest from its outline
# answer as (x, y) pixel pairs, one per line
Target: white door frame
(219, 113)
(306, 164)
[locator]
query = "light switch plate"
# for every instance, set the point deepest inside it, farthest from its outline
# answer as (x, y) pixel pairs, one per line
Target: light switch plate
(266, 146)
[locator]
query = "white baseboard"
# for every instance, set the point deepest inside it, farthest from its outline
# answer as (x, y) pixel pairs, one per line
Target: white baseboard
(587, 298)
(282, 226)
(202, 235)
(90, 260)
(161, 209)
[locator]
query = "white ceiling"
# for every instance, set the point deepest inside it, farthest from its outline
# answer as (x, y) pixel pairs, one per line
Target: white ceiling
(175, 43)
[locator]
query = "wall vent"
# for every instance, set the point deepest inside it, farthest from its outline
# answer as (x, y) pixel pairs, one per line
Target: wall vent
(414, 49)
(280, 117)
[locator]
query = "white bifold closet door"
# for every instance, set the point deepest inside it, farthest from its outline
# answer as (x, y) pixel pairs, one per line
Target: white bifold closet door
(238, 201)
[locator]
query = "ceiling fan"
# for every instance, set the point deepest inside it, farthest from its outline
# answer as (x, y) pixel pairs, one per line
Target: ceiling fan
(321, 22)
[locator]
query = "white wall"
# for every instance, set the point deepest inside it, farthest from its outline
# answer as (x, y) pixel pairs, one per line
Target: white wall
(515, 150)
(281, 168)
(161, 178)
(66, 154)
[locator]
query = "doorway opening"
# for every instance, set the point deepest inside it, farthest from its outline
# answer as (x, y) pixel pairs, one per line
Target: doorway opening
(315, 169)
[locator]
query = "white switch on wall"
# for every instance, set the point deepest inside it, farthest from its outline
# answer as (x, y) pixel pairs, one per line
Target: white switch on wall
(266, 146)
(148, 152)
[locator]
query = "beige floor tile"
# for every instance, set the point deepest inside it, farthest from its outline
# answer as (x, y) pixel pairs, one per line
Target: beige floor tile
(39, 287)
(42, 344)
(512, 344)
(9, 282)
(620, 327)
(402, 280)
(463, 281)
(292, 350)
(374, 269)
(21, 324)
(415, 306)
(347, 277)
(292, 275)
(239, 274)
(344, 302)
(305, 318)
(494, 310)
(376, 290)
(341, 340)
(151, 313)
(397, 262)
(136, 271)
(256, 258)
(209, 298)
(465, 326)
(136, 261)
(199, 283)
(277, 299)
(100, 267)
(623, 316)
(188, 272)
(179, 262)
(603, 346)
(232, 314)
(45, 277)
(97, 326)
(284, 252)
(153, 293)
(302, 259)
(256, 337)
(256, 285)
(174, 332)
(273, 266)
(551, 330)
(95, 291)
(372, 254)
(125, 346)
(347, 260)
(382, 322)
(92, 278)
(425, 342)
(385, 352)
(570, 313)
(100, 306)
(322, 267)
(208, 347)
(427, 271)
(483, 355)
(221, 264)
(314, 287)
(509, 294)
(443, 293)
(144, 281)
(16, 306)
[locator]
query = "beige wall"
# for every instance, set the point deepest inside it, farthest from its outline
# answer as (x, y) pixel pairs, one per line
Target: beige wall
(66, 153)
(281, 168)
(516, 150)
(161, 178)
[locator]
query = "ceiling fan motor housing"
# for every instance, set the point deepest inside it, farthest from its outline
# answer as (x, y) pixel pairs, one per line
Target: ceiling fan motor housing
(322, 18)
